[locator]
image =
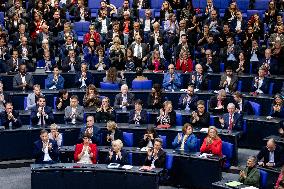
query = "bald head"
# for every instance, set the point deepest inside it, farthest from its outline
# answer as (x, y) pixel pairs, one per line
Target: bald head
(271, 145)
(198, 68)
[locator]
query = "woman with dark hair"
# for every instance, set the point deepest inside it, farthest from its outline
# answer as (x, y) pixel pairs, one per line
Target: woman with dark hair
(188, 11)
(148, 138)
(186, 140)
(62, 100)
(270, 15)
(130, 60)
(257, 25)
(111, 77)
(139, 75)
(91, 98)
(243, 66)
(167, 116)
(230, 13)
(89, 52)
(156, 97)
(165, 11)
(277, 107)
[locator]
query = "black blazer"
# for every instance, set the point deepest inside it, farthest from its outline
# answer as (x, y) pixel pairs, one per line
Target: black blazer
(172, 120)
(278, 156)
(117, 135)
(143, 115)
(160, 162)
(213, 104)
(35, 119)
(143, 143)
(204, 120)
(5, 121)
(39, 154)
(122, 161)
(264, 86)
(202, 84)
(192, 105)
(118, 100)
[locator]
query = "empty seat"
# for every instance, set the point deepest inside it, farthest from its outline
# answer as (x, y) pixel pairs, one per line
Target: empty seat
(142, 85)
(109, 86)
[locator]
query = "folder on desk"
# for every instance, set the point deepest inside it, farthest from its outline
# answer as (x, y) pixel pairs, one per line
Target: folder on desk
(113, 166)
(233, 183)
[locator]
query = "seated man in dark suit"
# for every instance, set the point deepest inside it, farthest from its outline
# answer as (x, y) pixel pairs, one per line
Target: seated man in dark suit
(188, 101)
(41, 115)
(260, 83)
(125, 99)
(269, 63)
(92, 130)
(231, 120)
(229, 81)
(156, 157)
(219, 102)
(10, 118)
(72, 62)
(199, 79)
(45, 149)
(12, 65)
(242, 106)
(23, 80)
(271, 154)
(83, 78)
(138, 115)
(200, 118)
(210, 63)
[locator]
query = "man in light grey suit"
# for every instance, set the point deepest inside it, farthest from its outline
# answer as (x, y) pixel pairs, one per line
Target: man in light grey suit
(125, 99)
(74, 113)
(23, 80)
(32, 97)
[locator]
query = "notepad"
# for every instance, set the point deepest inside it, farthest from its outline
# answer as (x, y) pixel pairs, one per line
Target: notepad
(127, 167)
(204, 130)
(233, 183)
(113, 165)
(250, 187)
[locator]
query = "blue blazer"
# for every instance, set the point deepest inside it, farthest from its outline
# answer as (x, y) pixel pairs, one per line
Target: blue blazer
(96, 138)
(143, 115)
(35, 119)
(39, 154)
(277, 114)
(96, 61)
(190, 144)
(42, 63)
(50, 82)
(175, 84)
(237, 123)
(89, 80)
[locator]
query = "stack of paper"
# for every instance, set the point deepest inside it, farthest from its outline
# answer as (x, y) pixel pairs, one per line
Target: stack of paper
(233, 183)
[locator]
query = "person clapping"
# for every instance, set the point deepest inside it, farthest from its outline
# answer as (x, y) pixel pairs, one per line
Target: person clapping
(117, 154)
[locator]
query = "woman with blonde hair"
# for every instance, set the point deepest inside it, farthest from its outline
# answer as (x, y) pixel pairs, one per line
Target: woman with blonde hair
(117, 154)
(105, 113)
(116, 54)
(55, 135)
(212, 144)
(156, 63)
(113, 133)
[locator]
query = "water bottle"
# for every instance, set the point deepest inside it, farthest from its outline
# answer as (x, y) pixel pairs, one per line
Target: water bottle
(10, 125)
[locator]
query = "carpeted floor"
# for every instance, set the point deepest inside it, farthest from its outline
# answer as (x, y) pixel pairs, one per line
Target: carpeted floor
(16, 174)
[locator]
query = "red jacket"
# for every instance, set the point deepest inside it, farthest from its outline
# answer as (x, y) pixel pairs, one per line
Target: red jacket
(79, 148)
(96, 37)
(184, 66)
(214, 148)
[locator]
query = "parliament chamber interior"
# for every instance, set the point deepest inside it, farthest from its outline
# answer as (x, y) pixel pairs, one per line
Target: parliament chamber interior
(142, 94)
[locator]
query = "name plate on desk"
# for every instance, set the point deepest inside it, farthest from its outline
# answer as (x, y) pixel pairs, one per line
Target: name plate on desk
(113, 166)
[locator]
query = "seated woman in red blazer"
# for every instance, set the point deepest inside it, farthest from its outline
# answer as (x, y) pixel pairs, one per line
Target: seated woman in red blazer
(86, 152)
(212, 144)
(184, 62)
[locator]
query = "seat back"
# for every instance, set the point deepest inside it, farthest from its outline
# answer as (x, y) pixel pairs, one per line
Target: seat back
(45, 84)
(169, 161)
(271, 86)
(25, 103)
(109, 86)
(128, 139)
(263, 178)
(227, 150)
(130, 155)
(179, 119)
(255, 107)
(240, 86)
(54, 102)
(222, 67)
(142, 85)
(198, 145)
(164, 139)
(212, 122)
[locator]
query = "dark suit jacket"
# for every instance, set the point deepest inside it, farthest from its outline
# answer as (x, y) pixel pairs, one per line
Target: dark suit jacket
(144, 49)
(166, 51)
(87, 14)
(40, 38)
(204, 120)
(264, 86)
(118, 100)
(61, 38)
(16, 38)
(98, 24)
(17, 81)
(39, 154)
(89, 80)
(5, 121)
(202, 84)
(117, 135)
(215, 66)
(278, 156)
(96, 138)
(246, 107)
(192, 103)
(47, 110)
(66, 67)
(233, 84)
(160, 162)
(237, 123)
(10, 67)
(213, 104)
(234, 25)
(143, 115)
(273, 65)
(122, 161)
(172, 120)
(104, 117)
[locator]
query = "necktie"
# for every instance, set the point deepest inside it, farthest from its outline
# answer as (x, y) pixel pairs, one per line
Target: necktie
(41, 120)
(139, 55)
(231, 122)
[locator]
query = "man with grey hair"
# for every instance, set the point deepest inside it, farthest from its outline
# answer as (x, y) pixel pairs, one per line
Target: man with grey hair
(125, 99)
(250, 175)
(231, 120)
